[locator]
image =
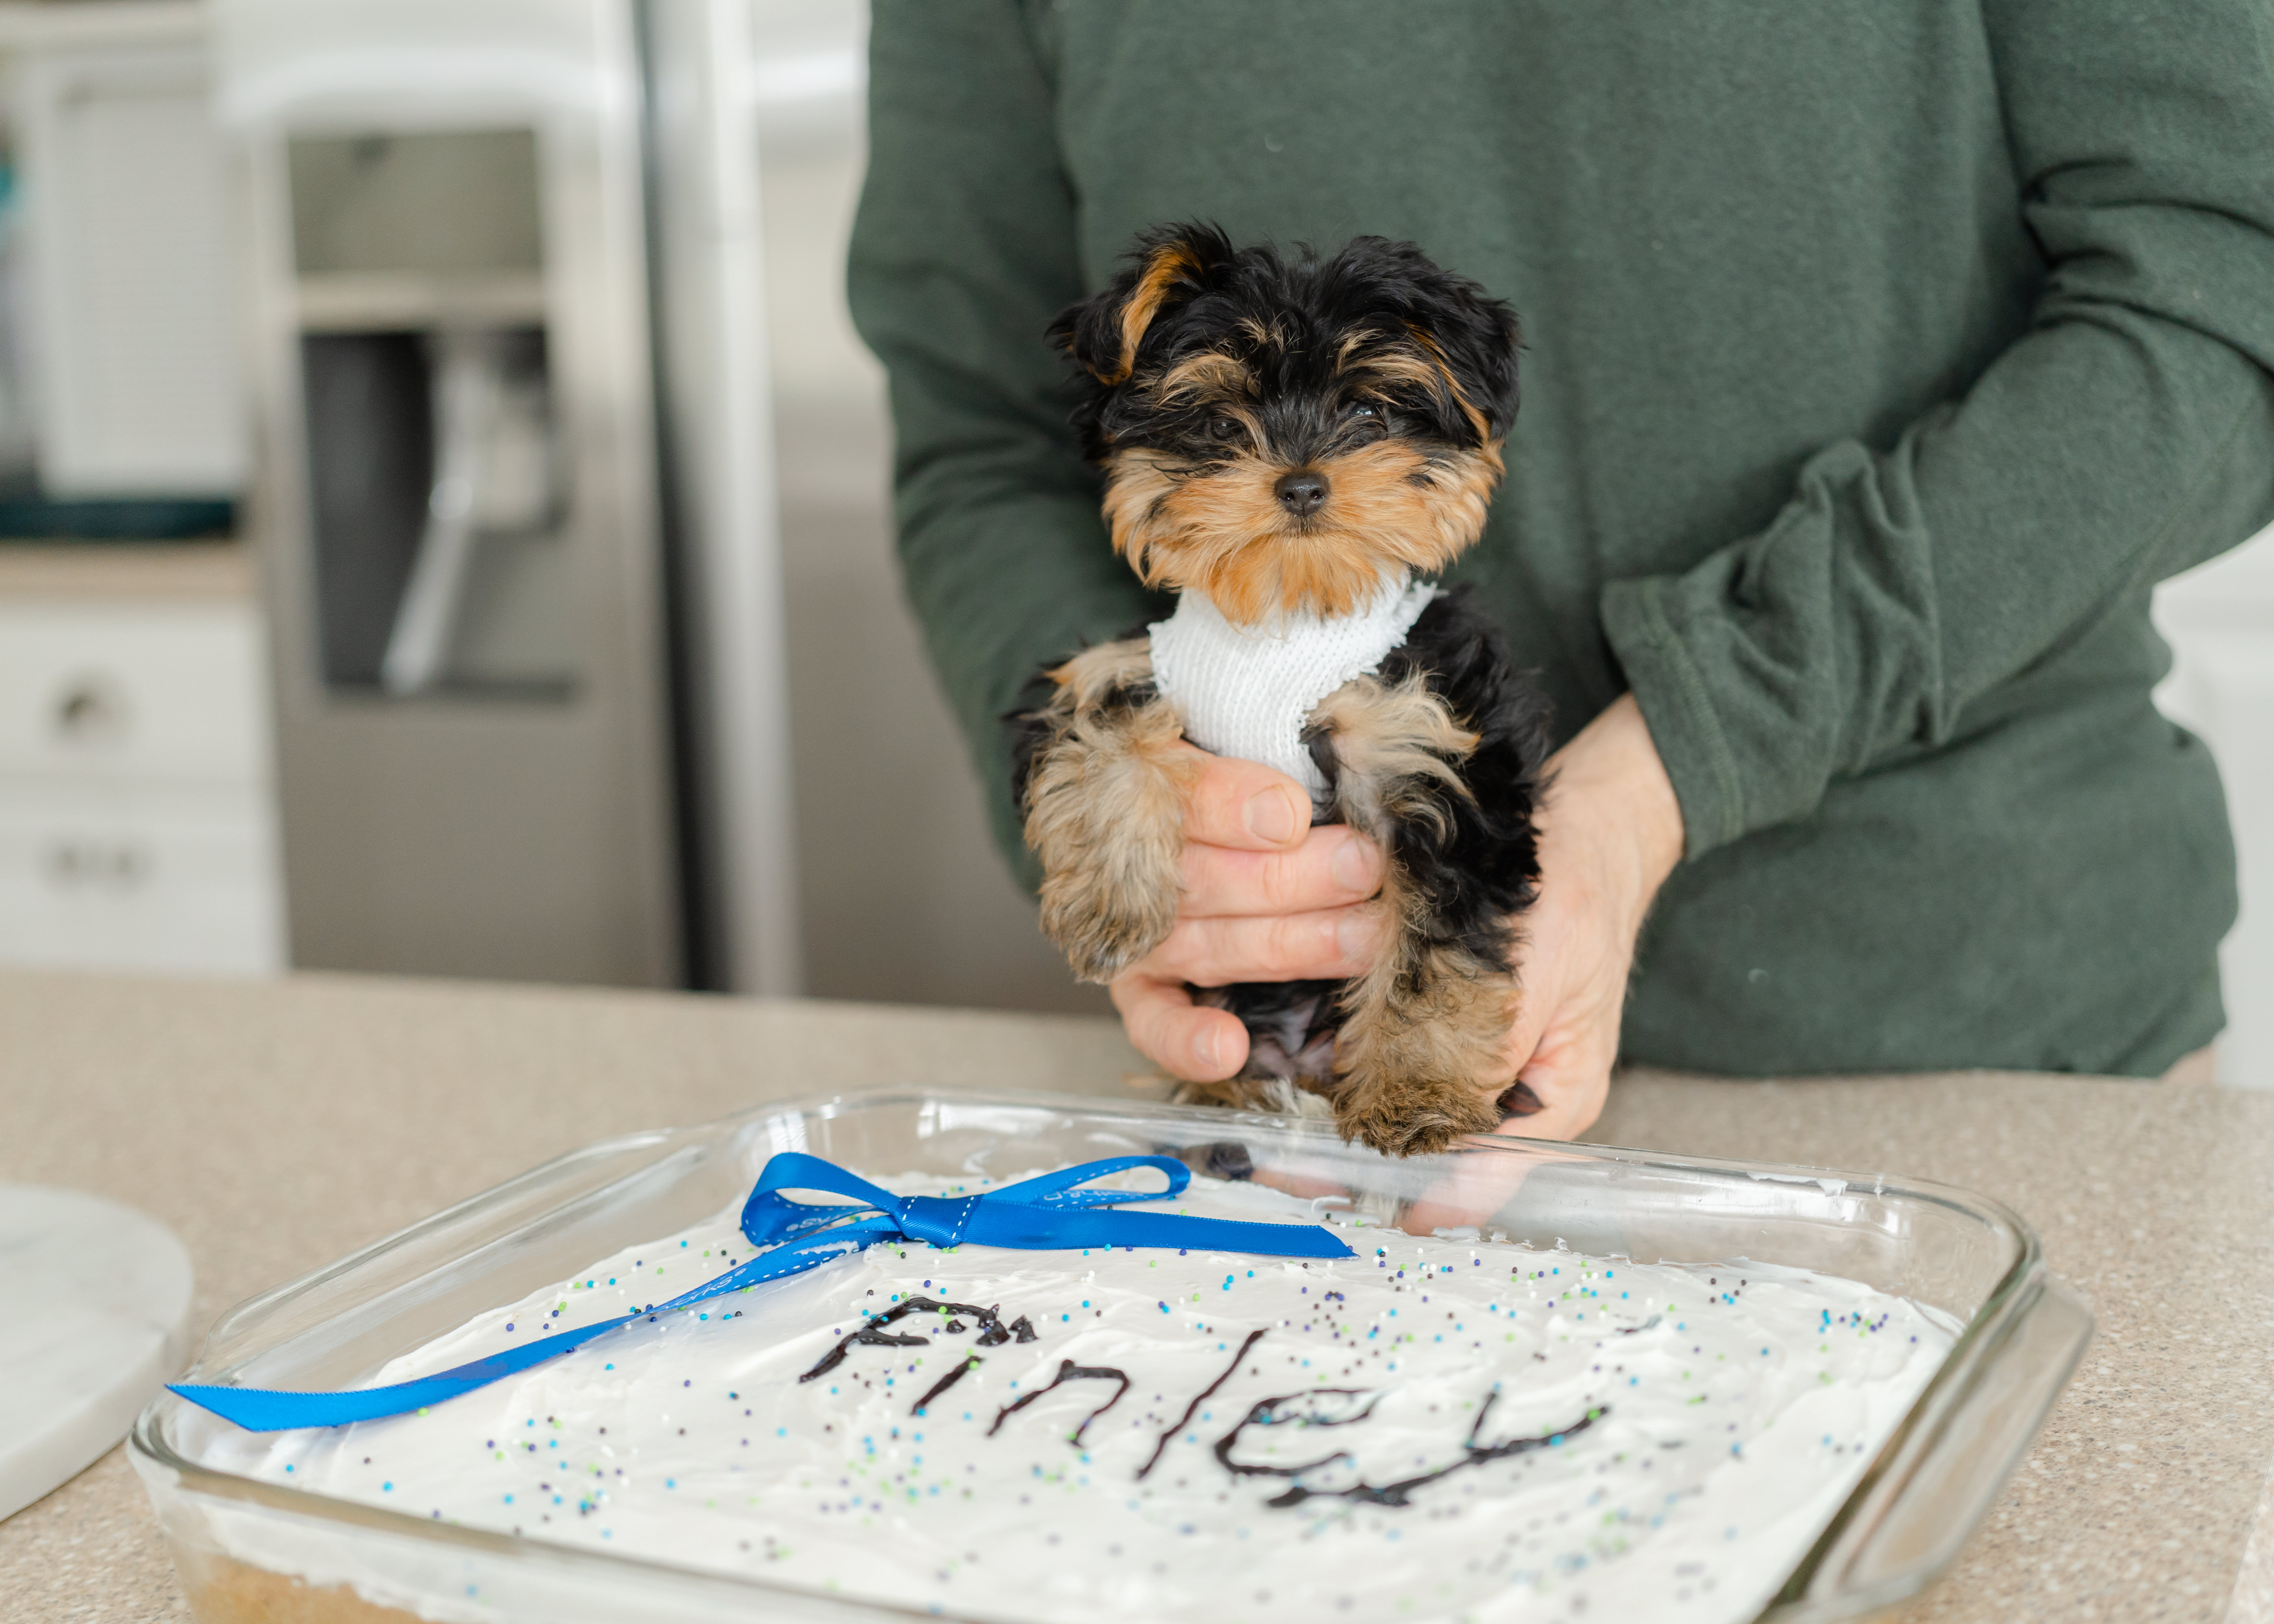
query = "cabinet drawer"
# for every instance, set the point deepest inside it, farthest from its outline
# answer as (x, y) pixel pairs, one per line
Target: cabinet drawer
(133, 690)
(127, 877)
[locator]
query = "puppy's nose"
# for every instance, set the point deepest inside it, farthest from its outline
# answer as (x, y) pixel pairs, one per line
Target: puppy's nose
(1302, 492)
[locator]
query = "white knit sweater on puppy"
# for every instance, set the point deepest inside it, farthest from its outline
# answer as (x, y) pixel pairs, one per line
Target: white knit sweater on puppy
(1246, 691)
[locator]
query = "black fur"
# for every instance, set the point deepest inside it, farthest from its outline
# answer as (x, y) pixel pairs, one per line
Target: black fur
(1486, 870)
(1479, 874)
(1032, 732)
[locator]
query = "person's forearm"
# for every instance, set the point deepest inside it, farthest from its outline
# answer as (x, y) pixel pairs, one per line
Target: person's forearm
(2123, 438)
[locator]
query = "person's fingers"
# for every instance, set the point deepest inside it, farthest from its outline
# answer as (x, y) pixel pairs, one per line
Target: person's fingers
(1332, 868)
(1567, 1073)
(1567, 1109)
(1332, 944)
(1245, 805)
(1183, 1039)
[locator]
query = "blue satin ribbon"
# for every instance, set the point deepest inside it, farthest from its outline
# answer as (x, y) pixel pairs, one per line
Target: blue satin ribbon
(1049, 1214)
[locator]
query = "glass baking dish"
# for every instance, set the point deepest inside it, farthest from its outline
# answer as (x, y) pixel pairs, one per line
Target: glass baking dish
(249, 1550)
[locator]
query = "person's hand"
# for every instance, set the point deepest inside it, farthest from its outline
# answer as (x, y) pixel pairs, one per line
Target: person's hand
(1611, 832)
(1267, 898)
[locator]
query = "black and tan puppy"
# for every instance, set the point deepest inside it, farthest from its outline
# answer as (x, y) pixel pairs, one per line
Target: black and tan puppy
(1290, 442)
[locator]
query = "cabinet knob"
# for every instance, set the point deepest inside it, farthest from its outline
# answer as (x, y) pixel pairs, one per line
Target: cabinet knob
(90, 709)
(113, 865)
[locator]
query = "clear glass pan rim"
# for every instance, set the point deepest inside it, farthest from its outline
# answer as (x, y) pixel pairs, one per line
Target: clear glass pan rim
(2015, 1290)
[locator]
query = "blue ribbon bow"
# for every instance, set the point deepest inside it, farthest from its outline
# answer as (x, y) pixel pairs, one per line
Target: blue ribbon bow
(1049, 1214)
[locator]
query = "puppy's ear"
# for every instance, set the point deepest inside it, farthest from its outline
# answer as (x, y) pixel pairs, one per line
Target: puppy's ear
(1167, 265)
(1473, 339)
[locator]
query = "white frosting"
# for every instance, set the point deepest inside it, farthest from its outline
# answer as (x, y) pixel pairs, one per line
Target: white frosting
(1247, 691)
(1733, 1409)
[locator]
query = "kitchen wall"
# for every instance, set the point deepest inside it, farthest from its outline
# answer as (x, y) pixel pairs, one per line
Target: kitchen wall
(2219, 620)
(904, 895)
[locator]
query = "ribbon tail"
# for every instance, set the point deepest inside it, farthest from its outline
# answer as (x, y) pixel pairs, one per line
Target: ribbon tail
(808, 1252)
(263, 1410)
(1039, 1229)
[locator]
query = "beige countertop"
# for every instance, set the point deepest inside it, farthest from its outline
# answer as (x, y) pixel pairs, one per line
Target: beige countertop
(278, 1125)
(109, 570)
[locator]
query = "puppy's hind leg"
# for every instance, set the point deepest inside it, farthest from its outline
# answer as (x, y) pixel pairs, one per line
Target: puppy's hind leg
(1104, 793)
(1422, 1030)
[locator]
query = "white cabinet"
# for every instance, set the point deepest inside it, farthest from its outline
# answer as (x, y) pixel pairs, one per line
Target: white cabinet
(136, 829)
(2219, 620)
(124, 193)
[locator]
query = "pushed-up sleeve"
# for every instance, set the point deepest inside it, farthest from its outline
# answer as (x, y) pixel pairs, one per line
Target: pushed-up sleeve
(2129, 435)
(963, 251)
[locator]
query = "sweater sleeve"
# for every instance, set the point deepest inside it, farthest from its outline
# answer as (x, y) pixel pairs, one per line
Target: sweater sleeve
(963, 250)
(2128, 435)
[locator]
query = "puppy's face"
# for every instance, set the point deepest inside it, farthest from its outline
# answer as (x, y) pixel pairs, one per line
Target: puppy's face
(1277, 434)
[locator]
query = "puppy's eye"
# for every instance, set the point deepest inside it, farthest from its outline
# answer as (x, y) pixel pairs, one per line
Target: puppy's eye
(1224, 429)
(1361, 409)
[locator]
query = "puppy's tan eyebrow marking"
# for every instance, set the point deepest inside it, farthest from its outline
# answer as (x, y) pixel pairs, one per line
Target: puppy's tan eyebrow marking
(1357, 338)
(1208, 373)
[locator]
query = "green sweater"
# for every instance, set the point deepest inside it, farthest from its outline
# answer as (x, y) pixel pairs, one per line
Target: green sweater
(1881, 355)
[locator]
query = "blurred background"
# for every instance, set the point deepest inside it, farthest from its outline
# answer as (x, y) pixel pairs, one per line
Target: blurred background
(444, 525)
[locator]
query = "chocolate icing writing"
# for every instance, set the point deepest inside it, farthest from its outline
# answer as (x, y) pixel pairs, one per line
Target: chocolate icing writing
(1068, 1370)
(1268, 1412)
(872, 1333)
(971, 1362)
(1193, 1409)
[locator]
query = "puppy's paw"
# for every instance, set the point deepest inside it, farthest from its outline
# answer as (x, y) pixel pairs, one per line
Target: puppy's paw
(1418, 1035)
(1106, 918)
(1105, 813)
(1413, 1116)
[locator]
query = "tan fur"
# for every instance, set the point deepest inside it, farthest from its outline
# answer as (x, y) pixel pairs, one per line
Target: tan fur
(1105, 813)
(1422, 1027)
(1276, 1096)
(1222, 530)
(1208, 376)
(1168, 262)
(1393, 742)
(1451, 383)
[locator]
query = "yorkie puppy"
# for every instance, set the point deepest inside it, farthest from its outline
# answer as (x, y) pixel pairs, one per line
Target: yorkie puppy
(1288, 443)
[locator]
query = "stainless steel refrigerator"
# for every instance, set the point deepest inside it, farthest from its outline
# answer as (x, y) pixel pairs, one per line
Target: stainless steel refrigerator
(514, 487)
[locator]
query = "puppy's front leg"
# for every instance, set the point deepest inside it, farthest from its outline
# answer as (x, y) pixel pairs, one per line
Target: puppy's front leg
(1424, 1025)
(1104, 793)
